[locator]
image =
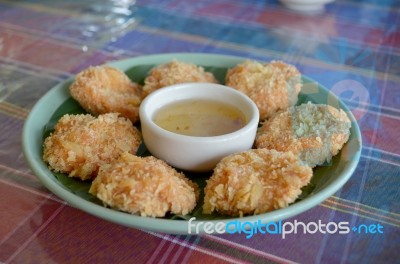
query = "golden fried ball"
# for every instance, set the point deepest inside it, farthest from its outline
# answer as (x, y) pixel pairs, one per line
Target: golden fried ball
(273, 86)
(314, 132)
(254, 182)
(105, 89)
(173, 73)
(147, 186)
(80, 144)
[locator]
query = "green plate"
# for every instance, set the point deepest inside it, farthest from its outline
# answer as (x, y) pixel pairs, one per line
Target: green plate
(326, 181)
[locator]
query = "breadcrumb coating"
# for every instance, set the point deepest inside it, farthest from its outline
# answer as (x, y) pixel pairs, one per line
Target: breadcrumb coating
(147, 186)
(105, 89)
(315, 132)
(273, 86)
(173, 73)
(80, 144)
(254, 182)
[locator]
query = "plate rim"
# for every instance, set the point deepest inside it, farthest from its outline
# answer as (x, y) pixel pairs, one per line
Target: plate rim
(59, 92)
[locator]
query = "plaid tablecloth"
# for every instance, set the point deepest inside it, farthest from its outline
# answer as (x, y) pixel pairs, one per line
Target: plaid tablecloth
(353, 48)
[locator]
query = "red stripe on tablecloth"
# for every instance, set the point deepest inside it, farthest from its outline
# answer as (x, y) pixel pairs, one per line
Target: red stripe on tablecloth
(46, 53)
(37, 231)
(387, 133)
(19, 224)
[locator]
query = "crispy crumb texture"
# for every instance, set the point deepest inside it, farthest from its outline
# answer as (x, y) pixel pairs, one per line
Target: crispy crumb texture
(80, 144)
(291, 141)
(146, 186)
(105, 89)
(173, 73)
(272, 86)
(254, 182)
(314, 132)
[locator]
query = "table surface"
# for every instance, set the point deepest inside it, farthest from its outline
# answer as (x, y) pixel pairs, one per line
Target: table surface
(352, 47)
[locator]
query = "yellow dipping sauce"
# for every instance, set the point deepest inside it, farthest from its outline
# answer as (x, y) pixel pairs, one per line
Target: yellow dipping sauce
(200, 118)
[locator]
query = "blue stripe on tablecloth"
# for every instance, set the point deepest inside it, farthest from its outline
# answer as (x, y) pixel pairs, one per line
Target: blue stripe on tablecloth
(383, 13)
(137, 44)
(382, 180)
(376, 3)
(360, 31)
(339, 53)
(343, 12)
(250, 36)
(365, 14)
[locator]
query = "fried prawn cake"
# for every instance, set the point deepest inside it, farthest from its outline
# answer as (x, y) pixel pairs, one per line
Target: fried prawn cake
(173, 73)
(105, 89)
(254, 182)
(273, 86)
(147, 186)
(80, 144)
(314, 132)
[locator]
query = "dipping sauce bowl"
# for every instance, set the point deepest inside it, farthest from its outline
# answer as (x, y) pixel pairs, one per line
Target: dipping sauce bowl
(203, 122)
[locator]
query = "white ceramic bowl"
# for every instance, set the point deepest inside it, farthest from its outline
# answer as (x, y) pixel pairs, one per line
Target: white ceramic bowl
(306, 5)
(195, 153)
